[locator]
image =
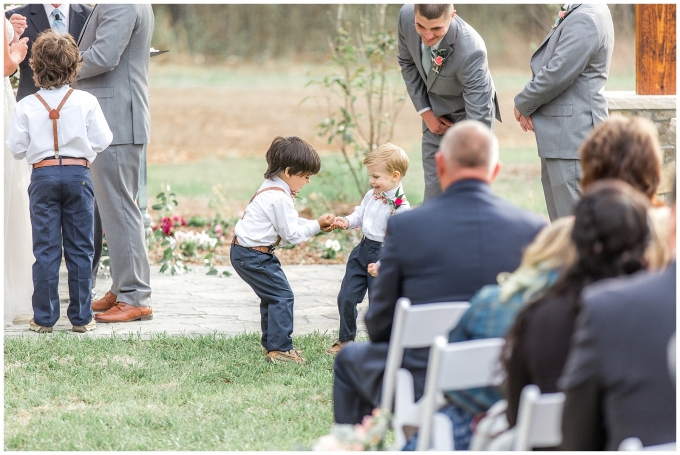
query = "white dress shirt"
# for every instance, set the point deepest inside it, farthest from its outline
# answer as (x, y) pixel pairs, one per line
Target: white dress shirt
(81, 128)
(272, 214)
(64, 8)
(372, 215)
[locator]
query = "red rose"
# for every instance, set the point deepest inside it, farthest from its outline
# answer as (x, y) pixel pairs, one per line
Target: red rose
(398, 202)
(561, 14)
(438, 60)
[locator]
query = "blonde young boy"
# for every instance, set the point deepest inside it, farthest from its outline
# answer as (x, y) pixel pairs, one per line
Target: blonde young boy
(387, 166)
(270, 220)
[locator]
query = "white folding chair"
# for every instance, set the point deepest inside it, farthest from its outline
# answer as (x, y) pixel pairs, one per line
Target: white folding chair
(635, 444)
(454, 366)
(539, 419)
(415, 327)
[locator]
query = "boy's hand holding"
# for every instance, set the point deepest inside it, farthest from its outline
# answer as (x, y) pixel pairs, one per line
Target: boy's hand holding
(326, 222)
(373, 268)
(340, 223)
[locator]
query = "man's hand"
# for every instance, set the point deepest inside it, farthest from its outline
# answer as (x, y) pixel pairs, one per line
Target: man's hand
(19, 25)
(340, 223)
(438, 125)
(524, 122)
(373, 269)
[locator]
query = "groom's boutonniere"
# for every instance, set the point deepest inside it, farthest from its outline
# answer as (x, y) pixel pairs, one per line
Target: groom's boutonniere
(438, 58)
(561, 15)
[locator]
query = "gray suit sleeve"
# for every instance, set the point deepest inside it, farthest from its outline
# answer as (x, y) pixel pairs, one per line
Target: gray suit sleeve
(578, 43)
(114, 29)
(417, 90)
(477, 87)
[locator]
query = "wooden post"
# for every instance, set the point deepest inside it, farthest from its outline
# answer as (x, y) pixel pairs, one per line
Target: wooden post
(655, 49)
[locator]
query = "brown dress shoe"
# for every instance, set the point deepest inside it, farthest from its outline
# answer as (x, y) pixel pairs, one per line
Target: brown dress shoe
(122, 312)
(105, 303)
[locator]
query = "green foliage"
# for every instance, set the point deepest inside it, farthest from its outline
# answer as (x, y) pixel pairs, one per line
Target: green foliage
(197, 221)
(165, 202)
(65, 392)
(172, 259)
(365, 99)
(208, 261)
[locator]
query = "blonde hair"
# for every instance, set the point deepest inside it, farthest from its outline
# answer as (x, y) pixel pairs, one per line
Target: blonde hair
(393, 157)
(552, 249)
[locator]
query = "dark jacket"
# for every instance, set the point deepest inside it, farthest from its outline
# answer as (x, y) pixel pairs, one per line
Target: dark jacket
(36, 22)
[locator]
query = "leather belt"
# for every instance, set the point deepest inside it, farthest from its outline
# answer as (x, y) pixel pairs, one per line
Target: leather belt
(261, 249)
(62, 162)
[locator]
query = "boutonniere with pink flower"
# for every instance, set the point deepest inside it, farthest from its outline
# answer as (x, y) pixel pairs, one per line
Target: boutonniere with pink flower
(395, 203)
(561, 15)
(438, 59)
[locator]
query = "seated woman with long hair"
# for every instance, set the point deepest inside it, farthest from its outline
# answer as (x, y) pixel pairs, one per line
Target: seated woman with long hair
(610, 235)
(628, 149)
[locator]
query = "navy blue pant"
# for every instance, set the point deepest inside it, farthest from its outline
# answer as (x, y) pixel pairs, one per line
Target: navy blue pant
(263, 273)
(354, 285)
(61, 200)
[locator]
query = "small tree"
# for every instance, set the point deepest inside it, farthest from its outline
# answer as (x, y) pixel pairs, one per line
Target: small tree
(363, 91)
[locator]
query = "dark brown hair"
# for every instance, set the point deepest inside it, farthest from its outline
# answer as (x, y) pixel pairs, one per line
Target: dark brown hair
(610, 234)
(434, 11)
(55, 59)
(626, 149)
(294, 153)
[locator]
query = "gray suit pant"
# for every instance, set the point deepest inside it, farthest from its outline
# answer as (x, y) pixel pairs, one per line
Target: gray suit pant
(115, 176)
(430, 146)
(561, 185)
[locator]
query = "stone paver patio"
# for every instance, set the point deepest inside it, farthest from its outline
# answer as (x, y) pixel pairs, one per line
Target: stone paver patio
(196, 303)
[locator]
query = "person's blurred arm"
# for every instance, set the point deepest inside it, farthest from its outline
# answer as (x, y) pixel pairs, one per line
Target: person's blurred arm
(582, 420)
(14, 54)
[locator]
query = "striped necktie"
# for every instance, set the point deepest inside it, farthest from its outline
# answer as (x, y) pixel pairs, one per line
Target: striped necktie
(427, 58)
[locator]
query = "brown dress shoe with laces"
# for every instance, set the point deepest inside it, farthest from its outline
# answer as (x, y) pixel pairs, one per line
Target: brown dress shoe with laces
(105, 303)
(122, 312)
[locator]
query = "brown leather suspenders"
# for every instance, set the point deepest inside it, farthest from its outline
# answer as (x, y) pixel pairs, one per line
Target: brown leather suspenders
(54, 115)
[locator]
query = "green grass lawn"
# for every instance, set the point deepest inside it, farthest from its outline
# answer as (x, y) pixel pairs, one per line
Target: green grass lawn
(65, 392)
(239, 178)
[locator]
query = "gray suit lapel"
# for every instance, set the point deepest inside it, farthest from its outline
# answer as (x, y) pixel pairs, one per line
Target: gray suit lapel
(552, 30)
(87, 21)
(447, 42)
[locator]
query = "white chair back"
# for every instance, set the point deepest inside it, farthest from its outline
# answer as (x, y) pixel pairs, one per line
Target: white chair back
(416, 327)
(455, 366)
(635, 444)
(539, 419)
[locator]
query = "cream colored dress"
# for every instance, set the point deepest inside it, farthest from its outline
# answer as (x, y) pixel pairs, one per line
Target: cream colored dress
(18, 240)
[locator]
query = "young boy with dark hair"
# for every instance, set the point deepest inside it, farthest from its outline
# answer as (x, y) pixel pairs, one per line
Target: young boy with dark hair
(59, 131)
(270, 220)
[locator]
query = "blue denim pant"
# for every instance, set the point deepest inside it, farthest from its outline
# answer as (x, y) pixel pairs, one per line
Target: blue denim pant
(462, 432)
(263, 273)
(61, 200)
(354, 285)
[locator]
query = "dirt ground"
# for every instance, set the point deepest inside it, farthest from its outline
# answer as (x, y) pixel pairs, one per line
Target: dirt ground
(191, 124)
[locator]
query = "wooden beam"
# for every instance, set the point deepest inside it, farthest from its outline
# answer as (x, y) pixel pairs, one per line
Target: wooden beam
(655, 49)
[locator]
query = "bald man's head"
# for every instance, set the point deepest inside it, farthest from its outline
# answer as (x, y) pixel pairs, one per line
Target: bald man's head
(468, 149)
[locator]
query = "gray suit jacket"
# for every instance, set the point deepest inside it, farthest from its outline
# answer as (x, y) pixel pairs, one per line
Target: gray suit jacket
(463, 89)
(115, 46)
(616, 377)
(37, 22)
(565, 97)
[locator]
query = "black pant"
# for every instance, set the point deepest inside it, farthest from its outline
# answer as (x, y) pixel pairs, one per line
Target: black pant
(354, 285)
